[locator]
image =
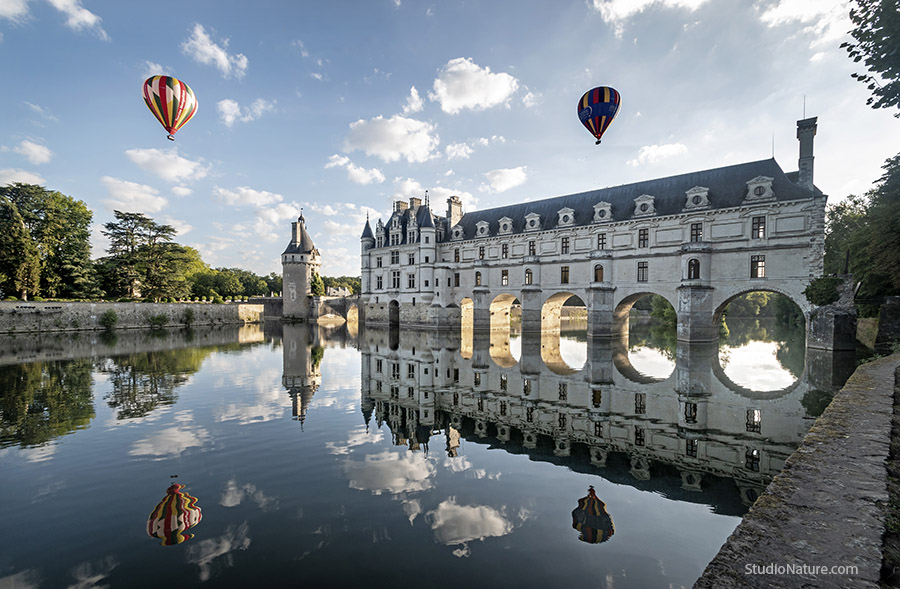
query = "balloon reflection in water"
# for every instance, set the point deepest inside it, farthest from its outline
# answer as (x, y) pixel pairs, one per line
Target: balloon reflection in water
(173, 516)
(590, 518)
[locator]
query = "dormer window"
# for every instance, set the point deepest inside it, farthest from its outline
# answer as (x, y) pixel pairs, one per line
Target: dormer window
(482, 228)
(566, 217)
(760, 189)
(506, 226)
(697, 198)
(602, 212)
(644, 206)
(532, 222)
(458, 232)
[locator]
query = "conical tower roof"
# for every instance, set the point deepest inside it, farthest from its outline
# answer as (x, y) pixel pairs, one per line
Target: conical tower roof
(367, 232)
(301, 242)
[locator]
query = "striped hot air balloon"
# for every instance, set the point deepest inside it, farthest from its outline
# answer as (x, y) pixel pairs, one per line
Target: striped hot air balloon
(173, 516)
(597, 109)
(590, 518)
(171, 101)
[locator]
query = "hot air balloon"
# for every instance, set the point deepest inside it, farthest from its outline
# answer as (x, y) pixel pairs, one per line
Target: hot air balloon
(590, 518)
(173, 516)
(171, 101)
(597, 109)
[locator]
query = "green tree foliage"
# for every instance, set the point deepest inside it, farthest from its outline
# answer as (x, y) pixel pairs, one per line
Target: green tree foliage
(20, 265)
(351, 283)
(59, 227)
(876, 42)
(317, 286)
(227, 282)
(274, 283)
(44, 400)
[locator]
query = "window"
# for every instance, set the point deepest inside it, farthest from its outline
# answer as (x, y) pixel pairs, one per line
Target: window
(598, 273)
(696, 231)
(378, 262)
(529, 414)
(477, 379)
(562, 421)
(410, 371)
(601, 241)
(643, 237)
(758, 230)
(757, 266)
(693, 269)
(751, 460)
(529, 276)
(456, 255)
(411, 281)
(456, 398)
(378, 283)
(456, 279)
(481, 404)
(427, 259)
(480, 252)
(638, 436)
(411, 260)
(395, 370)
(395, 279)
(598, 431)
(478, 279)
(426, 284)
(503, 382)
(643, 271)
(502, 408)
(690, 448)
(456, 375)
(426, 239)
(597, 397)
(378, 365)
(532, 248)
(564, 245)
(504, 251)
(526, 386)
(563, 391)
(690, 413)
(395, 239)
(640, 403)
(504, 278)
(754, 421)
(380, 241)
(395, 257)
(564, 275)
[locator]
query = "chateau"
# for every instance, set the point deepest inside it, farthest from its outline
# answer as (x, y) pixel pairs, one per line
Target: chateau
(698, 239)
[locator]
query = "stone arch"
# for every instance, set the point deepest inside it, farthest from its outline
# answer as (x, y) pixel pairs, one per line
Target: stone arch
(552, 309)
(795, 298)
(394, 313)
(624, 366)
(500, 310)
(623, 308)
(551, 352)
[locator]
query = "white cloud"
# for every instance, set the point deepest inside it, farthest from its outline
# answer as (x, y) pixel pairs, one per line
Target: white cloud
(99, 242)
(182, 191)
(132, 197)
(651, 154)
(458, 151)
(485, 141)
(231, 112)
(355, 173)
(10, 175)
(393, 139)
(34, 152)
(616, 12)
(168, 165)
(42, 111)
(14, 10)
(505, 178)
(460, 524)
(317, 76)
(530, 99)
(463, 84)
(404, 188)
(206, 51)
(244, 195)
(827, 21)
(80, 18)
(181, 227)
(299, 45)
(414, 102)
(326, 210)
(269, 222)
(153, 69)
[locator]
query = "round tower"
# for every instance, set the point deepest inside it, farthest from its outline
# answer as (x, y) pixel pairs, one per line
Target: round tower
(299, 263)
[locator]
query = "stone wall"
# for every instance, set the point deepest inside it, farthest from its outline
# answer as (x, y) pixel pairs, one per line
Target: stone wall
(27, 317)
(827, 507)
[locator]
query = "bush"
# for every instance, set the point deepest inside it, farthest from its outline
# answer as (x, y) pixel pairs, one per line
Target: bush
(37, 299)
(218, 301)
(157, 321)
(187, 317)
(125, 300)
(11, 299)
(823, 290)
(109, 319)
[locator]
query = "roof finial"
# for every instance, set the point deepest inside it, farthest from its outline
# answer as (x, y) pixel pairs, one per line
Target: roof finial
(426, 198)
(301, 219)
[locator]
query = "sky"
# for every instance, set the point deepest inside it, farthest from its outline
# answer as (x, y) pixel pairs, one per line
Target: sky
(342, 107)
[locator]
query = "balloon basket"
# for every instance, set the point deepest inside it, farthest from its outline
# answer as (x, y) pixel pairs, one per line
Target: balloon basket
(172, 138)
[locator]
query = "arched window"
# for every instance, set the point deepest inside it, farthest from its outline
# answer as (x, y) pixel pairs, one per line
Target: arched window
(598, 273)
(529, 277)
(693, 269)
(478, 279)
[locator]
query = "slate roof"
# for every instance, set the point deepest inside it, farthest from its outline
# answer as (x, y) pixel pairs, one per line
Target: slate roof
(424, 219)
(304, 243)
(367, 231)
(727, 188)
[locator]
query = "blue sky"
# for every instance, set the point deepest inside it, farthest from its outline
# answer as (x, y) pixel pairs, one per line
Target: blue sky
(340, 107)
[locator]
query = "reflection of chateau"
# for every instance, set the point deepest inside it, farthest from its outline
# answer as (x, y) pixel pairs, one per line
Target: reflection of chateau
(698, 239)
(683, 434)
(302, 355)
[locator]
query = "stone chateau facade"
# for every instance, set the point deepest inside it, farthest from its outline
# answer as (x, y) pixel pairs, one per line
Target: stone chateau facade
(698, 239)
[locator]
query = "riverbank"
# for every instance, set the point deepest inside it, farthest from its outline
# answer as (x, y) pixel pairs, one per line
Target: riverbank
(829, 506)
(28, 317)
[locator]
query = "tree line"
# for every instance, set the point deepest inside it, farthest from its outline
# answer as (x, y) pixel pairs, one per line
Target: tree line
(45, 252)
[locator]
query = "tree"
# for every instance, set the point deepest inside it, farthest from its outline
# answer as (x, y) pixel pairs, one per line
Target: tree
(316, 286)
(274, 283)
(884, 224)
(19, 261)
(876, 42)
(125, 238)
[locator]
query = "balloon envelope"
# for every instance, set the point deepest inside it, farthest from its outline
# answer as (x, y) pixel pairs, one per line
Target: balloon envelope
(590, 518)
(171, 101)
(173, 516)
(597, 109)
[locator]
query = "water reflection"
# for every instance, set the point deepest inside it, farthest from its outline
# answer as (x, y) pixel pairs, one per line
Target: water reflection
(591, 520)
(172, 517)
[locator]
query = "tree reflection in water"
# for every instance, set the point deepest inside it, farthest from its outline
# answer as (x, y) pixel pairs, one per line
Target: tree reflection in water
(43, 400)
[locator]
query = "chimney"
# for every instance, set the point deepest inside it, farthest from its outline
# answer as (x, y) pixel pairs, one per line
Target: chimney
(806, 131)
(454, 210)
(414, 202)
(294, 232)
(399, 206)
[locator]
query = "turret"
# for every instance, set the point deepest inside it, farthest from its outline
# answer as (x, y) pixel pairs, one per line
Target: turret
(299, 262)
